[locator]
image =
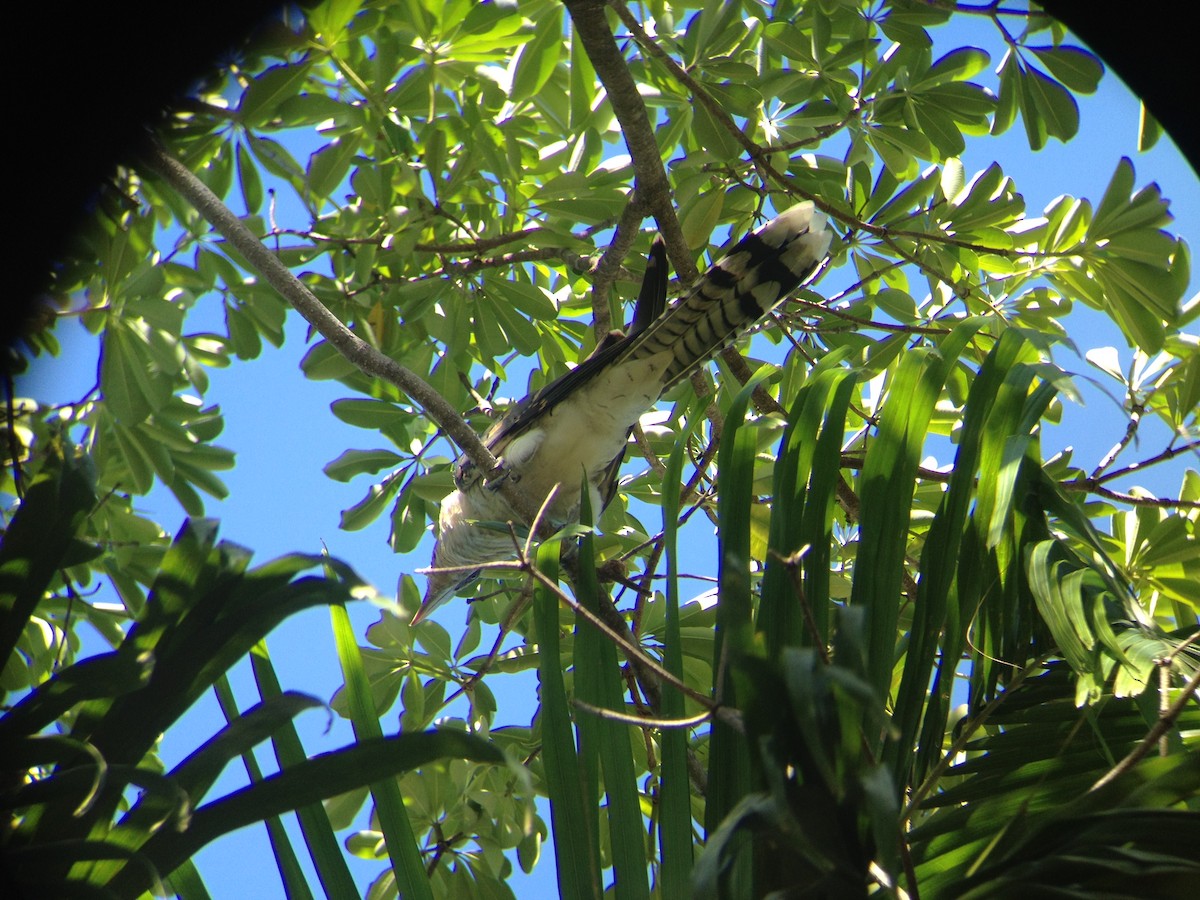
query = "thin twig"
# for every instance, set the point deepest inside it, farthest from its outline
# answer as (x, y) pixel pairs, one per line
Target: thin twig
(626, 645)
(1135, 419)
(1146, 744)
(649, 722)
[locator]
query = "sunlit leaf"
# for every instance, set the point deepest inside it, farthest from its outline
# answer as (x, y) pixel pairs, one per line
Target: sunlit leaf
(1073, 66)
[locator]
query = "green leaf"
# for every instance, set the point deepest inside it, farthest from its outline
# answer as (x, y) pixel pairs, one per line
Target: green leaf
(887, 486)
(1055, 106)
(37, 538)
(275, 158)
(1149, 131)
(536, 61)
(1010, 93)
(907, 25)
(675, 825)
(129, 375)
(898, 304)
(362, 412)
(599, 682)
(699, 219)
(389, 804)
(329, 20)
(322, 362)
(368, 509)
(1118, 211)
(576, 847)
(528, 298)
(242, 333)
(356, 462)
(408, 522)
(263, 95)
(249, 180)
(137, 458)
(199, 771)
(729, 763)
(319, 836)
(714, 135)
(327, 167)
(957, 65)
(952, 179)
(940, 129)
(373, 760)
(1073, 66)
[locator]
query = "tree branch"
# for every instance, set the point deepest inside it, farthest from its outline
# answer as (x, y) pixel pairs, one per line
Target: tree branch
(651, 184)
(355, 350)
(607, 268)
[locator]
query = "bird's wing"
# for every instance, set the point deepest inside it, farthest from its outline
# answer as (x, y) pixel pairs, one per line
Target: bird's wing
(651, 301)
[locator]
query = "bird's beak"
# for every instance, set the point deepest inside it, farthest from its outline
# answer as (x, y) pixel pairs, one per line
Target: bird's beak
(440, 587)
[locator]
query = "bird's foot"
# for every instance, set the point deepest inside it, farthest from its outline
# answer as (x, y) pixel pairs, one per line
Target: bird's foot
(499, 475)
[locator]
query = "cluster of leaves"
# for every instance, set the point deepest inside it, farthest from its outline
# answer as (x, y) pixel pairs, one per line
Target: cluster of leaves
(463, 187)
(74, 825)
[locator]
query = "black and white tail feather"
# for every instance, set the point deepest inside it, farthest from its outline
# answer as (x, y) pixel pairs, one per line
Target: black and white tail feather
(581, 421)
(736, 292)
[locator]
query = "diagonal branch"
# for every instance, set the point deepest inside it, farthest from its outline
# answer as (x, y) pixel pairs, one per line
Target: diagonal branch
(652, 187)
(357, 351)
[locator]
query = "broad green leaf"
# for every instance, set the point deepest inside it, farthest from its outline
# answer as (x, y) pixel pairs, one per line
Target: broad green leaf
(329, 20)
(528, 298)
(356, 462)
(1073, 66)
(129, 375)
(952, 178)
(714, 135)
(957, 65)
(1055, 106)
(327, 167)
(700, 219)
(535, 62)
(367, 510)
(242, 334)
(940, 129)
(907, 24)
(249, 179)
(275, 158)
(323, 362)
(267, 90)
(1010, 93)
(363, 412)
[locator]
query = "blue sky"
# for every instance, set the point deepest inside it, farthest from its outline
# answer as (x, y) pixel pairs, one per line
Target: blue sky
(280, 425)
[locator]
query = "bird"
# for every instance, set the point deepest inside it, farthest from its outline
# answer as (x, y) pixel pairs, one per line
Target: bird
(579, 424)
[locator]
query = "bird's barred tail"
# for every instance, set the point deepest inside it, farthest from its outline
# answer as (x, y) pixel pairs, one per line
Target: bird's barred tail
(745, 285)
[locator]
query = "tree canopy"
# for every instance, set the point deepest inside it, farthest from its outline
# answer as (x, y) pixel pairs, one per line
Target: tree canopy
(939, 660)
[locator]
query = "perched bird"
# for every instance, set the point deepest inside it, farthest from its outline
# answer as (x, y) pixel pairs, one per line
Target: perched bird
(581, 422)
